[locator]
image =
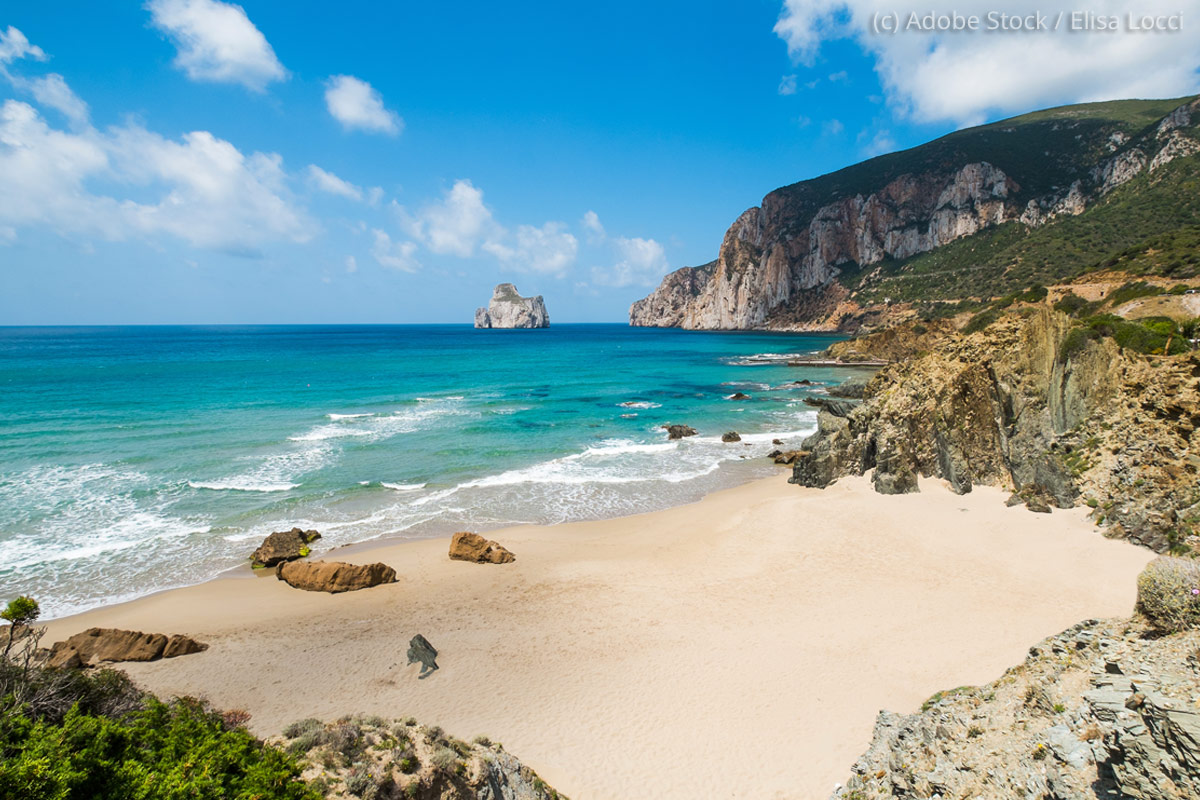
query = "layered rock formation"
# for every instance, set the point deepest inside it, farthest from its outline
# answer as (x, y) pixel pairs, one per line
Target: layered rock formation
(114, 644)
(466, 546)
(334, 576)
(1014, 406)
(507, 309)
(1103, 709)
(785, 264)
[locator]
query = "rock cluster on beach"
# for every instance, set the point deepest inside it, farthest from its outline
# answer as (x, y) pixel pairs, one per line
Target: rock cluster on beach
(1012, 406)
(334, 576)
(1104, 709)
(508, 309)
(679, 431)
(466, 546)
(283, 546)
(114, 644)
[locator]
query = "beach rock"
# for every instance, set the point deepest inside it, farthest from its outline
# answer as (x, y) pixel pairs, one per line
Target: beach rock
(777, 441)
(678, 431)
(731, 436)
(465, 546)
(839, 408)
(113, 644)
(283, 546)
(420, 650)
(334, 576)
(853, 387)
(786, 456)
(738, 396)
(179, 645)
(66, 657)
(508, 309)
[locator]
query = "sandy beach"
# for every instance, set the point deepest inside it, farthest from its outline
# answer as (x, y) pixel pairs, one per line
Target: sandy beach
(737, 647)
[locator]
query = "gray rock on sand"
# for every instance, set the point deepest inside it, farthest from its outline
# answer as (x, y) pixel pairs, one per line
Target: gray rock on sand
(679, 431)
(333, 576)
(420, 650)
(283, 546)
(731, 436)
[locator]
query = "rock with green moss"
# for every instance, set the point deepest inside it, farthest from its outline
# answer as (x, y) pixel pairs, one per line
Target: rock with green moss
(283, 546)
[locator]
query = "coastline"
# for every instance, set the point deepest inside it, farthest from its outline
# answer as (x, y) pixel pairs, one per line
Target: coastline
(738, 646)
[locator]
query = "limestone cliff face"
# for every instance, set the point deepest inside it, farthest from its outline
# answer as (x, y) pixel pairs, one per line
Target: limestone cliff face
(779, 263)
(1011, 406)
(508, 309)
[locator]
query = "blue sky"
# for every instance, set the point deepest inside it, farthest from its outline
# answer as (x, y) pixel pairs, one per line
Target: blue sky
(192, 161)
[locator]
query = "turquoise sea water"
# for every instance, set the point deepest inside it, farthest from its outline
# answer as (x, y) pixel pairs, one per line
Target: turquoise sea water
(135, 459)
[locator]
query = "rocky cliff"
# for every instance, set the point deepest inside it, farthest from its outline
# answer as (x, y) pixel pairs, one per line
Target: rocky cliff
(1102, 710)
(806, 257)
(508, 309)
(1032, 406)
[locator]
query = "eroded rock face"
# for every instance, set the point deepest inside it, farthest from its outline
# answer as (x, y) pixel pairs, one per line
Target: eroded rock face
(778, 264)
(334, 576)
(114, 644)
(1100, 710)
(283, 546)
(508, 309)
(1011, 407)
(466, 546)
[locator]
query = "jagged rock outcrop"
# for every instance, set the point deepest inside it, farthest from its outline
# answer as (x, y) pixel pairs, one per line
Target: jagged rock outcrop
(1101, 710)
(334, 576)
(783, 264)
(1013, 406)
(371, 757)
(283, 546)
(114, 644)
(466, 546)
(508, 309)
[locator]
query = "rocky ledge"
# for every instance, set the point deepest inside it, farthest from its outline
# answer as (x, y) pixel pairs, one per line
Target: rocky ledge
(508, 309)
(1025, 406)
(1106, 709)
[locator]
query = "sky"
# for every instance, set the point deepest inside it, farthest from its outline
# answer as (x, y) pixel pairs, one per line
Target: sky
(203, 162)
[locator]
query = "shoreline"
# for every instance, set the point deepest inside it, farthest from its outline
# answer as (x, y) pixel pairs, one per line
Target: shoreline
(740, 645)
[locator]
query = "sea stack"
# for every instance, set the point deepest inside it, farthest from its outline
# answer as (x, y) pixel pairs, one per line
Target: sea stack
(508, 309)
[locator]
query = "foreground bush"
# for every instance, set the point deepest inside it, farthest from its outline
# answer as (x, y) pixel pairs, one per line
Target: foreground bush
(1169, 593)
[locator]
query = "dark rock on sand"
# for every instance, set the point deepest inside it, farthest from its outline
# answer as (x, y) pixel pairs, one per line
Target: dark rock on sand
(679, 431)
(283, 546)
(420, 650)
(114, 644)
(731, 436)
(465, 546)
(334, 576)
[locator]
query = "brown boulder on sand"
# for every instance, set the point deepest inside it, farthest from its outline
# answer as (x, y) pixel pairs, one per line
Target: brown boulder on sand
(334, 576)
(283, 546)
(113, 644)
(465, 546)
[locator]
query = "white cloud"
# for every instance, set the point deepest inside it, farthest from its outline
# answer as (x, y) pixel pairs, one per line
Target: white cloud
(591, 223)
(357, 105)
(396, 255)
(548, 250)
(642, 262)
(217, 42)
(200, 189)
(332, 184)
(458, 223)
(876, 144)
(351, 264)
(833, 127)
(787, 85)
(14, 45)
(966, 76)
(841, 76)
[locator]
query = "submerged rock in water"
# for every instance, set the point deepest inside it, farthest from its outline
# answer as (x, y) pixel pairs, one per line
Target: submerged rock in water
(334, 576)
(466, 546)
(731, 436)
(738, 396)
(283, 546)
(508, 309)
(679, 431)
(420, 650)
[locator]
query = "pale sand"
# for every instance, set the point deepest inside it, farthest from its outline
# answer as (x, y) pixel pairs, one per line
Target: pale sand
(737, 647)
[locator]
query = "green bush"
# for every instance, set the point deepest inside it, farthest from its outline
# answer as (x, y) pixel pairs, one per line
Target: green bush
(981, 320)
(1072, 304)
(176, 750)
(1169, 593)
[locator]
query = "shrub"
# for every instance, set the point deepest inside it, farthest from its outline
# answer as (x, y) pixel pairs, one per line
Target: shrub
(981, 321)
(1072, 304)
(444, 759)
(1169, 593)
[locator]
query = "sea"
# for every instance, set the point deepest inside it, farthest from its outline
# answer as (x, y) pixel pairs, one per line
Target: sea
(136, 459)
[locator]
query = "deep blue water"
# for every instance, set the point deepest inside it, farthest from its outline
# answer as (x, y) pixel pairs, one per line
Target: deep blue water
(133, 459)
